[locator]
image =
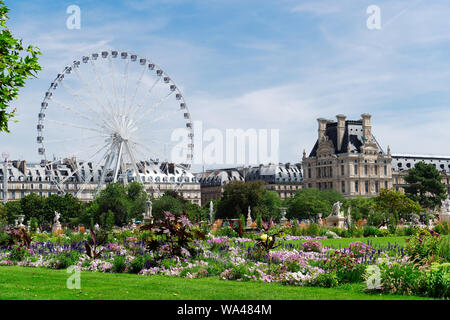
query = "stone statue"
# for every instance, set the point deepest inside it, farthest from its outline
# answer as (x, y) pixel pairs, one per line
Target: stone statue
(249, 218)
(56, 219)
(211, 212)
(56, 228)
(336, 209)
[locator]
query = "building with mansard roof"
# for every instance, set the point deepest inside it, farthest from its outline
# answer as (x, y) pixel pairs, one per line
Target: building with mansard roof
(346, 157)
(81, 179)
(284, 179)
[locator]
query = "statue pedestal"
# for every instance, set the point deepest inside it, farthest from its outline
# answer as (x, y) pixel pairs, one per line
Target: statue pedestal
(148, 221)
(444, 217)
(335, 221)
(56, 228)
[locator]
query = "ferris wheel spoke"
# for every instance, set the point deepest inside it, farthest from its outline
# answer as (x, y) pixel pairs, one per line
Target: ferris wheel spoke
(167, 115)
(141, 105)
(138, 85)
(171, 144)
(65, 124)
(113, 79)
(81, 100)
(156, 153)
(81, 167)
(124, 98)
(150, 110)
(103, 91)
(95, 97)
(81, 115)
(74, 139)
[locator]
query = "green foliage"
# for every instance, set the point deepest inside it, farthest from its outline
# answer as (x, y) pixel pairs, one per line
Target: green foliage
(226, 232)
(399, 278)
(423, 247)
(17, 64)
(119, 264)
(238, 196)
(166, 203)
(442, 228)
(361, 207)
(325, 280)
(309, 202)
(395, 205)
(425, 185)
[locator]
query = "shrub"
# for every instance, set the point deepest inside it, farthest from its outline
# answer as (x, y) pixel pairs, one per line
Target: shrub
(384, 233)
(346, 266)
(119, 264)
(226, 232)
(442, 228)
(399, 278)
(370, 231)
(325, 280)
(313, 229)
(424, 246)
(136, 265)
(360, 249)
(312, 246)
(436, 282)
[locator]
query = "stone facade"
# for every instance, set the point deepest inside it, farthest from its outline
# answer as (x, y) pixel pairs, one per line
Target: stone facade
(346, 157)
(284, 179)
(81, 181)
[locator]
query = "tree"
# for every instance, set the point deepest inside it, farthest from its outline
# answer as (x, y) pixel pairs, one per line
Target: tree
(13, 210)
(70, 208)
(425, 185)
(239, 195)
(113, 198)
(166, 203)
(395, 205)
(16, 65)
(33, 206)
(361, 207)
(308, 203)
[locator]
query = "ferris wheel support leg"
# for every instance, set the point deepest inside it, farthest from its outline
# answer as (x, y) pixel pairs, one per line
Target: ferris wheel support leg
(102, 177)
(5, 182)
(118, 163)
(133, 162)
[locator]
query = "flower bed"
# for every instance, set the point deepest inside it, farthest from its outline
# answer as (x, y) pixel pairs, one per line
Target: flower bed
(241, 259)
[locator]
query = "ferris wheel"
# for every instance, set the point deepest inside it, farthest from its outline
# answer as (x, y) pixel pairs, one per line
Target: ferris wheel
(109, 115)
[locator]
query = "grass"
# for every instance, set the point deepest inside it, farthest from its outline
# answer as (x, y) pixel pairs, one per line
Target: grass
(21, 283)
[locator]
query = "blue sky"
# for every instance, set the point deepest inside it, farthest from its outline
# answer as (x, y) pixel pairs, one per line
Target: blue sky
(263, 64)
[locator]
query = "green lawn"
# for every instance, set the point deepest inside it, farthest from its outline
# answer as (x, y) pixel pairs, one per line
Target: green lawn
(44, 284)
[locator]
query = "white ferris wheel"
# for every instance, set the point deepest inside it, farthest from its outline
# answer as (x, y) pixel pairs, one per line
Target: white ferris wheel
(109, 115)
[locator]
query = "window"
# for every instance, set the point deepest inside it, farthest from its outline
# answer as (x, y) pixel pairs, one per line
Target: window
(309, 173)
(355, 169)
(365, 170)
(385, 184)
(376, 186)
(356, 186)
(342, 170)
(385, 170)
(376, 169)
(343, 186)
(331, 171)
(366, 186)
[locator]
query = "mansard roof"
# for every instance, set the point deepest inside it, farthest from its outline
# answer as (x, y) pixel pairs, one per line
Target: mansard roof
(353, 137)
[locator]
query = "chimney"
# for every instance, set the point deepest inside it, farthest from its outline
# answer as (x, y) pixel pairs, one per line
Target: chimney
(367, 127)
(340, 130)
(322, 128)
(23, 167)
